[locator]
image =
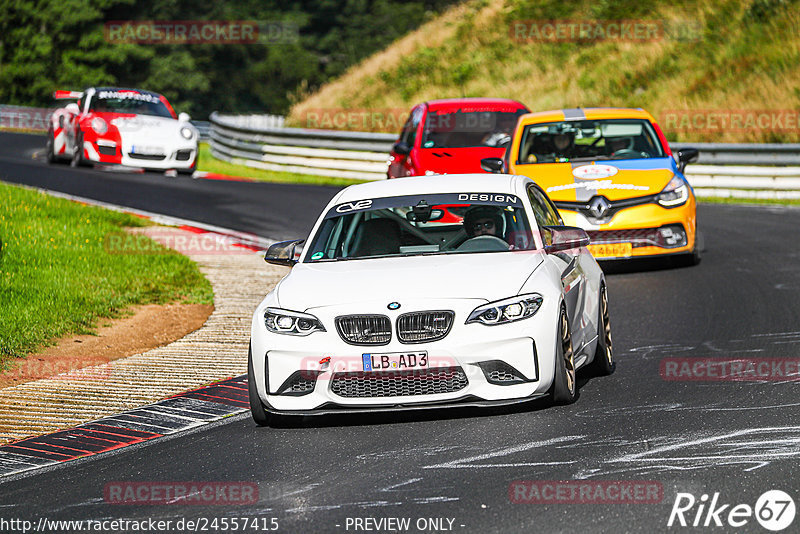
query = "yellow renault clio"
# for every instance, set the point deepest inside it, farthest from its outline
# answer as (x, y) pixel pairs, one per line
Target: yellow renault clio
(611, 172)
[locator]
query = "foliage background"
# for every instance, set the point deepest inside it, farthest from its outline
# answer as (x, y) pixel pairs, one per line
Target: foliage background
(60, 44)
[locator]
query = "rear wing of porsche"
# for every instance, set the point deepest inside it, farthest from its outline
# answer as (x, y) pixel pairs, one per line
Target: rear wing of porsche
(67, 95)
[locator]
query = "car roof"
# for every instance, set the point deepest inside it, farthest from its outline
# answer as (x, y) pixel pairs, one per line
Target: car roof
(143, 91)
(444, 183)
(457, 103)
(558, 115)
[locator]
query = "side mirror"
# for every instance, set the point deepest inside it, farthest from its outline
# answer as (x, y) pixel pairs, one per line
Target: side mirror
(73, 108)
(401, 148)
(494, 165)
(558, 238)
(282, 253)
(184, 117)
(686, 156)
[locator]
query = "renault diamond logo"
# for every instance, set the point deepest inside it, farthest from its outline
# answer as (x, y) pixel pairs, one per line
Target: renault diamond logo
(599, 207)
(393, 305)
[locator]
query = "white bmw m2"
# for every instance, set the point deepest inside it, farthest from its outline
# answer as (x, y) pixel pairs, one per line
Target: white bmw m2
(452, 290)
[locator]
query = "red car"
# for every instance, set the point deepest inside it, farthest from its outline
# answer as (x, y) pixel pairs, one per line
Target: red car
(452, 136)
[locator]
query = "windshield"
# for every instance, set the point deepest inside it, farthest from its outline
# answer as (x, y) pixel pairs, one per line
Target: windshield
(462, 129)
(132, 102)
(453, 223)
(562, 142)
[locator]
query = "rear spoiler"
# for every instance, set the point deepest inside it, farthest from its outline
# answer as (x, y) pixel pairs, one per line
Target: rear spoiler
(67, 95)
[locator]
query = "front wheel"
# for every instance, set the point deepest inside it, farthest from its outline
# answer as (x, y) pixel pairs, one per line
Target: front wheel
(603, 363)
(564, 389)
(260, 415)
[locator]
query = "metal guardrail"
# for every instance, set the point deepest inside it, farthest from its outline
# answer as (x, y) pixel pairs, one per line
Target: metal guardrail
(339, 154)
(261, 141)
(744, 153)
(203, 129)
(739, 170)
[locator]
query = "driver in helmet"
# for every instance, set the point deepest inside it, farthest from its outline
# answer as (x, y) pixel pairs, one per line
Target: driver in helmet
(563, 142)
(483, 220)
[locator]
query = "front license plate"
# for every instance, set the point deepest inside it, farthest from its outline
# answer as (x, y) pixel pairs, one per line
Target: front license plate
(147, 150)
(395, 361)
(611, 250)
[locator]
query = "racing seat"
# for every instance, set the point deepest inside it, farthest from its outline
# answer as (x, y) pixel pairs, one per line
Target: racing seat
(375, 237)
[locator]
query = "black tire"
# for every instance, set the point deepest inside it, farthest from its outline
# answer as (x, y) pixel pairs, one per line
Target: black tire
(191, 169)
(692, 258)
(77, 152)
(49, 149)
(257, 410)
(603, 363)
(564, 389)
(698, 248)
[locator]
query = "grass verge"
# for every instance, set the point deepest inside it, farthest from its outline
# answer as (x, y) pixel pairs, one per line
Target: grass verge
(708, 57)
(57, 277)
(764, 201)
(209, 163)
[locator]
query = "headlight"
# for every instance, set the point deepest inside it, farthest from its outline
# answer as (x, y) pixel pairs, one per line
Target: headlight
(99, 126)
(187, 133)
(675, 194)
(290, 322)
(507, 310)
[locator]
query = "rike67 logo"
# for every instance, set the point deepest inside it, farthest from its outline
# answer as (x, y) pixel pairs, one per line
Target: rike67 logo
(774, 510)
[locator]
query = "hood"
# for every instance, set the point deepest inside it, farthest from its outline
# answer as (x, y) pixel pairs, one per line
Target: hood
(580, 181)
(489, 276)
(135, 123)
(455, 160)
(147, 129)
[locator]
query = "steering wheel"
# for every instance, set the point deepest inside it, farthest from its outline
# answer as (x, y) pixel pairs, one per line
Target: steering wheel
(629, 152)
(483, 243)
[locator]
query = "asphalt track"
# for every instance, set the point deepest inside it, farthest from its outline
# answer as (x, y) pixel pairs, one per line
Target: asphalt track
(737, 438)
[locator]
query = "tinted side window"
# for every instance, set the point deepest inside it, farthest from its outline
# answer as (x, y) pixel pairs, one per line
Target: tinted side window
(543, 209)
(409, 135)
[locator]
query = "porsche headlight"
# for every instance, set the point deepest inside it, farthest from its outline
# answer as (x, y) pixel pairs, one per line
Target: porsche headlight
(292, 323)
(187, 133)
(99, 125)
(507, 310)
(675, 194)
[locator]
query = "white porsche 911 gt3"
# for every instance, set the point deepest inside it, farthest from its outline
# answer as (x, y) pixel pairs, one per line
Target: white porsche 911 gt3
(119, 126)
(453, 290)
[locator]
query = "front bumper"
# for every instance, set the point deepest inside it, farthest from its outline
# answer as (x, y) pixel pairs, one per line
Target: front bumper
(474, 350)
(177, 156)
(636, 225)
(467, 402)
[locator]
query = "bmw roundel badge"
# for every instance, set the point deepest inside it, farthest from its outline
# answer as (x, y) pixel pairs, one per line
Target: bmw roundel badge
(393, 305)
